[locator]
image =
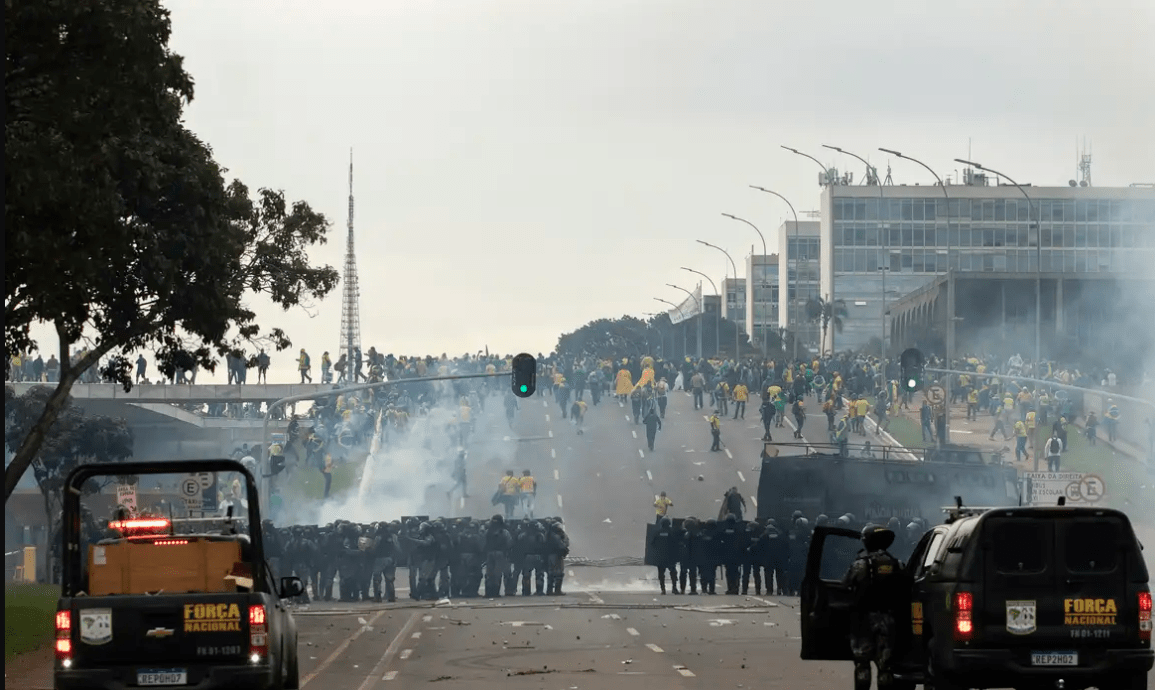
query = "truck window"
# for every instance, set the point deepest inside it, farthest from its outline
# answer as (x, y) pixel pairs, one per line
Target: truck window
(932, 550)
(1091, 547)
(1019, 546)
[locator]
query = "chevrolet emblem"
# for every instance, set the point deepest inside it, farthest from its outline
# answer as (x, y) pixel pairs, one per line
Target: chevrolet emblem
(159, 632)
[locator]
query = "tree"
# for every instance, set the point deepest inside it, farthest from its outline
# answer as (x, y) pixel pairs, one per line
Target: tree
(119, 228)
(625, 337)
(75, 438)
(826, 312)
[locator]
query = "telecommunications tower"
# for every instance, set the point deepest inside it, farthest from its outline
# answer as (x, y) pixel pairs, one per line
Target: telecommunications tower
(350, 295)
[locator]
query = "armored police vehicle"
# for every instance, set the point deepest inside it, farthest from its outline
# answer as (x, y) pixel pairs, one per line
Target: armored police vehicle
(899, 483)
(1032, 597)
(152, 599)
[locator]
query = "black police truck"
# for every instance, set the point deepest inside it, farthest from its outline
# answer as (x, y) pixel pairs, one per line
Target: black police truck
(1031, 597)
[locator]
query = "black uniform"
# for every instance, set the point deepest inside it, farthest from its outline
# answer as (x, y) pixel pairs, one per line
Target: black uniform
(876, 583)
(664, 543)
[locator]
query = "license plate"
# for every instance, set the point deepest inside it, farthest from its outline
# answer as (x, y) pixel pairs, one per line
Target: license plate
(1054, 658)
(162, 676)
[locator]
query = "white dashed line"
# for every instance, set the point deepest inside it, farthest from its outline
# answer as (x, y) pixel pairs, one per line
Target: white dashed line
(754, 501)
(655, 647)
(547, 418)
(571, 573)
(649, 476)
(627, 418)
(426, 619)
(391, 675)
(551, 433)
(633, 632)
(741, 476)
(462, 502)
(641, 454)
(684, 671)
(595, 598)
(544, 404)
(553, 453)
(559, 503)
(406, 653)
(556, 476)
(728, 454)
(415, 636)
(634, 433)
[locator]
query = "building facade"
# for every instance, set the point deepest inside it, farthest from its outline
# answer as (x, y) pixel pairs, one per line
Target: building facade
(762, 297)
(798, 266)
(735, 308)
(880, 243)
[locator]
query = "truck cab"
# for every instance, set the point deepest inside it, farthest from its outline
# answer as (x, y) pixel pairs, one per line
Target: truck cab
(176, 599)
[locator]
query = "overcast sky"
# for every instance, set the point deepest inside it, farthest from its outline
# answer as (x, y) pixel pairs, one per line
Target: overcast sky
(523, 167)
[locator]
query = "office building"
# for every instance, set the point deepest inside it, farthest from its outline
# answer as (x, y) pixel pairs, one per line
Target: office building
(762, 298)
(798, 262)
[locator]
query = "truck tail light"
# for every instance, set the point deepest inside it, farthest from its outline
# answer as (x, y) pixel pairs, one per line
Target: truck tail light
(64, 637)
(964, 623)
(1145, 616)
(258, 634)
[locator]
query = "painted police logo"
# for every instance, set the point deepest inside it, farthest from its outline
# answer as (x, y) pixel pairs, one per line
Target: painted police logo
(1021, 617)
(96, 626)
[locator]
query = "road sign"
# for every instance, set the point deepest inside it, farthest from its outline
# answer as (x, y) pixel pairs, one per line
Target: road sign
(206, 479)
(190, 491)
(126, 496)
(936, 395)
(1078, 488)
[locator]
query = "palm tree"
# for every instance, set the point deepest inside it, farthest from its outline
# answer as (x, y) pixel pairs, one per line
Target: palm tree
(827, 312)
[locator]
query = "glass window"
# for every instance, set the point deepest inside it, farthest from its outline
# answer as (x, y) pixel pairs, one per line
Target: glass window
(988, 262)
(1012, 209)
(1104, 212)
(988, 237)
(918, 264)
(907, 261)
(1081, 211)
(1048, 258)
(1000, 237)
(1080, 262)
(1092, 236)
(1000, 262)
(1026, 212)
(872, 209)
(907, 235)
(1069, 211)
(989, 210)
(860, 209)
(859, 236)
(872, 259)
(1056, 211)
(1068, 262)
(919, 235)
(894, 209)
(907, 209)
(860, 261)
(895, 237)
(1000, 211)
(871, 235)
(1116, 237)
(1091, 546)
(1080, 235)
(964, 208)
(918, 210)
(1019, 546)
(1047, 237)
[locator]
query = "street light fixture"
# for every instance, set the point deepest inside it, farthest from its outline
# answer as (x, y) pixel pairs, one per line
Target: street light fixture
(735, 267)
(700, 311)
(883, 240)
(763, 281)
(797, 278)
(717, 314)
(950, 289)
(825, 172)
(1038, 260)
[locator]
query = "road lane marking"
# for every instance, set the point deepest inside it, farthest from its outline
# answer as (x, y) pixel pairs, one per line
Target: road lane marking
(684, 671)
(405, 654)
(641, 454)
(415, 636)
(547, 418)
(339, 650)
(390, 651)
(556, 476)
(655, 647)
(649, 476)
(543, 404)
(462, 501)
(553, 454)
(426, 619)
(728, 454)
(559, 503)
(741, 476)
(595, 598)
(633, 632)
(627, 418)
(634, 433)
(390, 676)
(571, 573)
(754, 501)
(551, 433)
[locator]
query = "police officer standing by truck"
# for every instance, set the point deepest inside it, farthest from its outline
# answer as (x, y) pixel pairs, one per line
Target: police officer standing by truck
(875, 580)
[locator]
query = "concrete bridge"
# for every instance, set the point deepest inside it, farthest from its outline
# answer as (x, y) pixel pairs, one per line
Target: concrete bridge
(184, 394)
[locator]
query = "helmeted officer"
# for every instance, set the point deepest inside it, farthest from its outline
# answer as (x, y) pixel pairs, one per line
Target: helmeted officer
(497, 544)
(666, 553)
(875, 581)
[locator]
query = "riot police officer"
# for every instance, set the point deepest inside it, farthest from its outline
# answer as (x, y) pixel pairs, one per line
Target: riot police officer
(665, 553)
(875, 581)
(497, 543)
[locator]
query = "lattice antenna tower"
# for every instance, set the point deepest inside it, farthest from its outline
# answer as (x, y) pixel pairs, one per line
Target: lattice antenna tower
(351, 294)
(1085, 165)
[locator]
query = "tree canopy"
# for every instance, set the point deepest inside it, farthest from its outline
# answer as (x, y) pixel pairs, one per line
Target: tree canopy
(627, 336)
(120, 230)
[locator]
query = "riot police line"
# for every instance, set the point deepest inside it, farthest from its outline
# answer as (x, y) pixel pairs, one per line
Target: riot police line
(693, 551)
(445, 557)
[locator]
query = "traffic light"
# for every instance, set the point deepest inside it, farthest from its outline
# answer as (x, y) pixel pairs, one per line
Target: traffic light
(524, 375)
(912, 370)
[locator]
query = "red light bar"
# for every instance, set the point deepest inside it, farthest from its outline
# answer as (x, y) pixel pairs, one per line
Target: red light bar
(140, 524)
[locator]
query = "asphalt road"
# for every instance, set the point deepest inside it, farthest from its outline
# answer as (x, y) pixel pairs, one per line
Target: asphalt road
(612, 627)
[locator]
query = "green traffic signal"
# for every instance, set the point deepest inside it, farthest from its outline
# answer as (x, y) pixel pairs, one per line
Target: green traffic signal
(524, 388)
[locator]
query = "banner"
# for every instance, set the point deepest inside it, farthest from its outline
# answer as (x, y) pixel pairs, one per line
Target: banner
(1077, 488)
(689, 308)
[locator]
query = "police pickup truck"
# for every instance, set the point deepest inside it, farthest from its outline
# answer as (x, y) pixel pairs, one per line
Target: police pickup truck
(153, 599)
(1022, 597)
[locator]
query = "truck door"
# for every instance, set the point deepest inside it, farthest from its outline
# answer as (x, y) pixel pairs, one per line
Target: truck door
(825, 600)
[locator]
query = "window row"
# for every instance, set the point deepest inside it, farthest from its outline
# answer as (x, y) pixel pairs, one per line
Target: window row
(965, 235)
(803, 249)
(1013, 261)
(997, 210)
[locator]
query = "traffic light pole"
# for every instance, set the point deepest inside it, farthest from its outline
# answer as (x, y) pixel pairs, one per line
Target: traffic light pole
(266, 482)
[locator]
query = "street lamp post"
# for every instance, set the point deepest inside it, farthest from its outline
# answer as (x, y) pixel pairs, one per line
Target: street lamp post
(735, 267)
(1038, 260)
(950, 287)
(661, 338)
(833, 287)
(683, 315)
(797, 248)
(700, 312)
(717, 314)
(753, 287)
(882, 241)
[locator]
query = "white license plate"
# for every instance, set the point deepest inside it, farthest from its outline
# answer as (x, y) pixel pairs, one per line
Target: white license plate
(166, 676)
(1054, 658)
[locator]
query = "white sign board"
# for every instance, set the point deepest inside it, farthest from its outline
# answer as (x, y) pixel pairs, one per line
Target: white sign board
(1079, 489)
(191, 491)
(126, 496)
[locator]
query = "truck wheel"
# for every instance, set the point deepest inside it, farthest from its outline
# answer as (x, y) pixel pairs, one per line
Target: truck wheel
(292, 678)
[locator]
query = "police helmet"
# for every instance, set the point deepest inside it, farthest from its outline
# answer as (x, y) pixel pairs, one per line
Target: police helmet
(711, 523)
(803, 523)
(893, 524)
(667, 523)
(497, 519)
(843, 521)
(876, 538)
(731, 518)
(821, 520)
(851, 517)
(796, 514)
